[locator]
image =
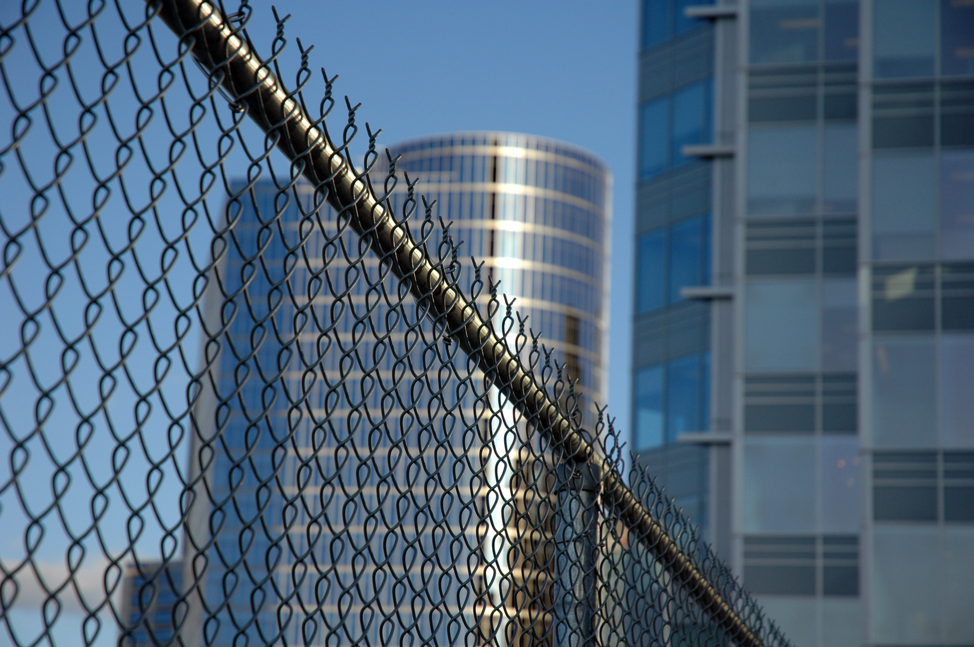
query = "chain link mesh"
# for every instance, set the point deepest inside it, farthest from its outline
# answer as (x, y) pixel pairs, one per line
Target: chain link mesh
(238, 405)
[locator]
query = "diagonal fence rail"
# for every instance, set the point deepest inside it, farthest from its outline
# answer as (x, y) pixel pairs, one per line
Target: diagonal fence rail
(263, 411)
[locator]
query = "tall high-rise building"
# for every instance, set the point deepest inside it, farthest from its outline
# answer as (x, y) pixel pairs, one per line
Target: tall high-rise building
(833, 434)
(536, 212)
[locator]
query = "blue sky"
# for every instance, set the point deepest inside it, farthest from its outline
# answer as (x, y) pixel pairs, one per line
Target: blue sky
(564, 69)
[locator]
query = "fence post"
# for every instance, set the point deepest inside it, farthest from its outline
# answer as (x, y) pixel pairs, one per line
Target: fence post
(577, 540)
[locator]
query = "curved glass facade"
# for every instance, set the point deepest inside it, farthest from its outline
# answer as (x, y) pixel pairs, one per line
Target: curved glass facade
(536, 212)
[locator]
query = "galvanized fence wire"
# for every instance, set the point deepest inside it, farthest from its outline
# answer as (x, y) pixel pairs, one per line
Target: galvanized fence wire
(252, 394)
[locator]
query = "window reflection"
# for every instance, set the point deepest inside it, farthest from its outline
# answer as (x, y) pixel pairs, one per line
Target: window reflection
(841, 31)
(840, 334)
(904, 390)
(685, 395)
(663, 19)
(689, 255)
(957, 204)
(957, 353)
(782, 324)
(957, 37)
(672, 258)
(904, 37)
(782, 165)
(904, 204)
(669, 123)
(841, 485)
(649, 408)
(650, 279)
(779, 485)
(672, 398)
(653, 126)
(840, 168)
(784, 32)
(691, 118)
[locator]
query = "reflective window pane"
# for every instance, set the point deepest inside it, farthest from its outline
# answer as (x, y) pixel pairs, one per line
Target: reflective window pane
(906, 586)
(782, 170)
(683, 378)
(957, 389)
(649, 408)
(903, 298)
(840, 332)
(779, 485)
(904, 38)
(841, 622)
(841, 31)
(904, 206)
(782, 323)
(653, 126)
(656, 21)
(959, 486)
(840, 168)
(841, 485)
(688, 249)
(956, 38)
(904, 392)
(691, 119)
(958, 600)
(651, 281)
(957, 204)
(784, 32)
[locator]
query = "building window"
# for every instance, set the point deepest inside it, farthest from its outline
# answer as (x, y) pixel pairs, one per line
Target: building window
(671, 258)
(649, 408)
(669, 123)
(905, 35)
(917, 486)
(904, 195)
(782, 324)
(671, 398)
(957, 203)
(782, 170)
(904, 410)
(790, 565)
(689, 255)
(651, 276)
(653, 148)
(780, 485)
(662, 19)
(784, 32)
(687, 391)
(691, 119)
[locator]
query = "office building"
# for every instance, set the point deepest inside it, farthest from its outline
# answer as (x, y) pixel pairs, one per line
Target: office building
(150, 609)
(837, 170)
(536, 212)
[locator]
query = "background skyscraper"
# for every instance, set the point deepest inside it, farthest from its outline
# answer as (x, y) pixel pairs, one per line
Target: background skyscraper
(536, 212)
(840, 183)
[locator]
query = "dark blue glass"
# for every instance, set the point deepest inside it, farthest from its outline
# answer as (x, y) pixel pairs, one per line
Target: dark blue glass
(657, 21)
(649, 408)
(841, 31)
(691, 118)
(653, 126)
(688, 253)
(683, 377)
(683, 23)
(956, 38)
(650, 280)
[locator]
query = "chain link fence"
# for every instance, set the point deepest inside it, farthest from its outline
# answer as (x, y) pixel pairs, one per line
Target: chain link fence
(251, 393)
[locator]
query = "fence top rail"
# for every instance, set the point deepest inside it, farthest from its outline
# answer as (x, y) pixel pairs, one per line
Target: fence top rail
(226, 55)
